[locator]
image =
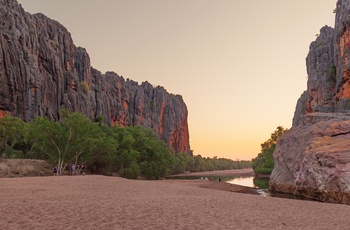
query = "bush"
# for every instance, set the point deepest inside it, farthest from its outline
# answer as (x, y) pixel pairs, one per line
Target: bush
(263, 163)
(53, 44)
(332, 73)
(84, 86)
(132, 172)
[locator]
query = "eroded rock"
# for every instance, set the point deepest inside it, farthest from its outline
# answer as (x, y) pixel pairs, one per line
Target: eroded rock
(312, 159)
(42, 71)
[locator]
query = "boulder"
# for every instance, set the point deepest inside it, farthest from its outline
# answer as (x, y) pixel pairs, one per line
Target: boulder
(312, 160)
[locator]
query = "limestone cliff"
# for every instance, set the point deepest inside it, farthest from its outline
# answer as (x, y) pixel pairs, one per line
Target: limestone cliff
(312, 159)
(42, 71)
(328, 68)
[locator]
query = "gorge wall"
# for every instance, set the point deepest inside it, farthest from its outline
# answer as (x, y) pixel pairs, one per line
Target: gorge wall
(312, 159)
(42, 71)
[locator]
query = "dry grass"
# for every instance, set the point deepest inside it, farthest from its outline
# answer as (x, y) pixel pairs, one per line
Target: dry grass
(24, 167)
(4, 168)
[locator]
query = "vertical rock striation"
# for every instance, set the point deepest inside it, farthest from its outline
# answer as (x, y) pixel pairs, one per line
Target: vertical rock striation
(312, 159)
(42, 71)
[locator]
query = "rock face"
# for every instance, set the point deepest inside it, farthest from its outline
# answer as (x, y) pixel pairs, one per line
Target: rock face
(312, 159)
(42, 71)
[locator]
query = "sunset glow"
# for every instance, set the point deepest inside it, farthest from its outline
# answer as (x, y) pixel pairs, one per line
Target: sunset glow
(239, 66)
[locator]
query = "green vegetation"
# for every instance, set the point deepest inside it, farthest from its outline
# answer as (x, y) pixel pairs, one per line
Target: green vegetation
(336, 10)
(263, 163)
(261, 182)
(12, 134)
(85, 86)
(320, 43)
(152, 104)
(53, 44)
(131, 152)
(331, 74)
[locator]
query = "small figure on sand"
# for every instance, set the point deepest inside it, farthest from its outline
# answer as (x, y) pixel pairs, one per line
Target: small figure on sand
(219, 179)
(83, 169)
(55, 170)
(73, 169)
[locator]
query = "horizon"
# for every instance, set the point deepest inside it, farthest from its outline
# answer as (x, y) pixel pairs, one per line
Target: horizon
(240, 69)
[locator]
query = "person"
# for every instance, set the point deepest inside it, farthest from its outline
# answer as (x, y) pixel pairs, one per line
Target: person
(73, 169)
(219, 179)
(83, 169)
(54, 170)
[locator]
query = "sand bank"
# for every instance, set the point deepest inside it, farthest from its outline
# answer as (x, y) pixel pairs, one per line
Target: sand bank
(100, 202)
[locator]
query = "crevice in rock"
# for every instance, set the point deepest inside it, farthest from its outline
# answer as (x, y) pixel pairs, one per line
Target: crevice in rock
(339, 134)
(134, 108)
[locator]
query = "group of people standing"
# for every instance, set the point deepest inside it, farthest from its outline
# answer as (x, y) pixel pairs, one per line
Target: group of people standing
(76, 169)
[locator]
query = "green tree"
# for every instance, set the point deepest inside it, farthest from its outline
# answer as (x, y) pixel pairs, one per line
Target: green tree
(155, 157)
(49, 140)
(102, 156)
(67, 141)
(263, 163)
(126, 156)
(12, 132)
(180, 163)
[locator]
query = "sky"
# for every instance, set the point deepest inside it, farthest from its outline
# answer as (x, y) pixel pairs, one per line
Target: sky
(239, 65)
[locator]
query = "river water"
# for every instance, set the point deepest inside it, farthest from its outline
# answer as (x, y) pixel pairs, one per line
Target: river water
(249, 181)
(244, 181)
(262, 183)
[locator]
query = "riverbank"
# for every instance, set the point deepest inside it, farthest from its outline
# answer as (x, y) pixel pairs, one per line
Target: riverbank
(91, 202)
(216, 184)
(233, 172)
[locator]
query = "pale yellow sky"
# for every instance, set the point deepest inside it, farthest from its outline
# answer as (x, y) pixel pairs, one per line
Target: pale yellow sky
(239, 65)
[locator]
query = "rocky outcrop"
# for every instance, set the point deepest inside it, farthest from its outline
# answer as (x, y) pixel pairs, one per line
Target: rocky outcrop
(328, 68)
(320, 93)
(312, 159)
(42, 71)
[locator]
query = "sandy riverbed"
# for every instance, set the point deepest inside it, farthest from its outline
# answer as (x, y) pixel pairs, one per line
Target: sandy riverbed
(100, 202)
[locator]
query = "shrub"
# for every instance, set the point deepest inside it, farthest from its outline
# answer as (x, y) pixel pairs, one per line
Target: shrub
(332, 73)
(53, 44)
(263, 163)
(85, 86)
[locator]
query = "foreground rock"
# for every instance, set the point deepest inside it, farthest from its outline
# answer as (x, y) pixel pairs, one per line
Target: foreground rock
(42, 71)
(312, 159)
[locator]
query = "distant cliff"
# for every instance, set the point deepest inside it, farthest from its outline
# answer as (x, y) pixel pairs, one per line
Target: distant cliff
(312, 159)
(42, 71)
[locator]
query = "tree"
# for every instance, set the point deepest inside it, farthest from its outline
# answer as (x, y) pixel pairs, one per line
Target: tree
(12, 132)
(263, 163)
(103, 156)
(66, 141)
(141, 154)
(49, 139)
(126, 156)
(132, 152)
(181, 161)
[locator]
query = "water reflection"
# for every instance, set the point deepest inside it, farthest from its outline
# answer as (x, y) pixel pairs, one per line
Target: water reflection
(249, 181)
(244, 181)
(262, 183)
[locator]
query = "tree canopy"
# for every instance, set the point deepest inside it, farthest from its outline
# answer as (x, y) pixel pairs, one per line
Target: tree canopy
(131, 152)
(263, 163)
